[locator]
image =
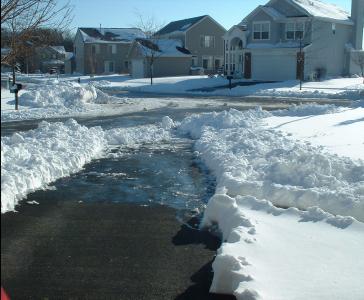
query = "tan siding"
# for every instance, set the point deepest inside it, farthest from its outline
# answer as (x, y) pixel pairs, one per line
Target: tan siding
(193, 39)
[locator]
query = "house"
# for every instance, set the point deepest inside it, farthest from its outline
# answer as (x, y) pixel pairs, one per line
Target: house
(104, 50)
(45, 59)
(162, 57)
(287, 39)
(203, 36)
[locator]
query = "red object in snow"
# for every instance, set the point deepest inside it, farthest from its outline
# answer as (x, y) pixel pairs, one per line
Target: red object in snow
(4, 295)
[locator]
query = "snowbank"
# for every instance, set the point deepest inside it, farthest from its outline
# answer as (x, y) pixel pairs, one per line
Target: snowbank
(303, 250)
(248, 159)
(31, 160)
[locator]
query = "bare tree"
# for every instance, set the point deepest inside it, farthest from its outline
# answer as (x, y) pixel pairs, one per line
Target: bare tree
(151, 45)
(22, 19)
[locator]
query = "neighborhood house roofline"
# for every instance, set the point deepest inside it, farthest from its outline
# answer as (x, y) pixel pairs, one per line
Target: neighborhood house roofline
(110, 35)
(159, 48)
(185, 25)
(342, 17)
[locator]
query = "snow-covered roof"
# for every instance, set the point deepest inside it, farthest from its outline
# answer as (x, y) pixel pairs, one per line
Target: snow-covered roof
(308, 8)
(59, 49)
(162, 48)
(53, 62)
(107, 35)
(323, 10)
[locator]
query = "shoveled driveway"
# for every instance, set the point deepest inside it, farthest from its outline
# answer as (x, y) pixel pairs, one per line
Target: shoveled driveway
(71, 250)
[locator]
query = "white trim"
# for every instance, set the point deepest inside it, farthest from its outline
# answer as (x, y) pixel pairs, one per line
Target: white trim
(261, 31)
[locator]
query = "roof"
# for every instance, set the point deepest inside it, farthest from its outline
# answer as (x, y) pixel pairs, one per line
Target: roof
(310, 8)
(180, 25)
(59, 49)
(107, 35)
(323, 10)
(162, 48)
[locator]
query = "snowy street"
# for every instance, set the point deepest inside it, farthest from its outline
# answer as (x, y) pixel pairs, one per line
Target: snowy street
(279, 185)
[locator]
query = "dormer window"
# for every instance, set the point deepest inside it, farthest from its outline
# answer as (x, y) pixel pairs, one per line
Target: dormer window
(261, 30)
(295, 30)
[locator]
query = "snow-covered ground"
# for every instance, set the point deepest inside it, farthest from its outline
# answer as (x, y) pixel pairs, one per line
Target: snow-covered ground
(311, 247)
(289, 202)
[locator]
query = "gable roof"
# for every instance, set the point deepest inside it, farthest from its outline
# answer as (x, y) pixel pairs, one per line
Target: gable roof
(162, 48)
(180, 25)
(59, 49)
(107, 35)
(310, 8)
(322, 10)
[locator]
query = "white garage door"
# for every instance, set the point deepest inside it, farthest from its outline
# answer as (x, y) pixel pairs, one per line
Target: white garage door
(137, 68)
(274, 67)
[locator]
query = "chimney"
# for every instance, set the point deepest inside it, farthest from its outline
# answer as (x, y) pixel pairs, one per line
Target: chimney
(357, 15)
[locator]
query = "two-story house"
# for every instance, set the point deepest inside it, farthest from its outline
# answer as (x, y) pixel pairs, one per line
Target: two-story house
(104, 50)
(202, 36)
(287, 39)
(45, 59)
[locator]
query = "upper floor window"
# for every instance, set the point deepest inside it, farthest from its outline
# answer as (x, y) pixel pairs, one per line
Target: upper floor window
(112, 49)
(295, 31)
(261, 30)
(95, 49)
(207, 41)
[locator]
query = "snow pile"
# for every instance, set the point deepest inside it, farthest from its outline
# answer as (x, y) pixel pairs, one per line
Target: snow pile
(250, 160)
(64, 94)
(307, 110)
(134, 136)
(270, 252)
(32, 159)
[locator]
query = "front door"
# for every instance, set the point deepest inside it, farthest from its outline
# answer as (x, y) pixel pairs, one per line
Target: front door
(248, 65)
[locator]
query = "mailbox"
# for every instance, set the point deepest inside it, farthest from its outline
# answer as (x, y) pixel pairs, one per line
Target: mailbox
(16, 87)
(229, 78)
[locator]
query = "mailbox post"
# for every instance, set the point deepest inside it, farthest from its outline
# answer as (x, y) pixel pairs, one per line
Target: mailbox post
(15, 88)
(229, 78)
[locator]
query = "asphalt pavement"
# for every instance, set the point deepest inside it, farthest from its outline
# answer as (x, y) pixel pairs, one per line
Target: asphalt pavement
(71, 250)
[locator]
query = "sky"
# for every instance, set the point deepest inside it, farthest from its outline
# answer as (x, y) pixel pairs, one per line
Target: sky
(123, 13)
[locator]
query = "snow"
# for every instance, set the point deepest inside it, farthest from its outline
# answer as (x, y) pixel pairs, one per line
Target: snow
(289, 200)
(341, 133)
(324, 10)
(33, 159)
(167, 47)
(120, 35)
(275, 253)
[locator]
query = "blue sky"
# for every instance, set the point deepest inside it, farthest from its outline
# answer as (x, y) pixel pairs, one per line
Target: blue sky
(121, 13)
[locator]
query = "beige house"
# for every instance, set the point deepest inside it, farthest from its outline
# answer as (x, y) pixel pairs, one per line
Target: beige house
(104, 50)
(202, 36)
(160, 57)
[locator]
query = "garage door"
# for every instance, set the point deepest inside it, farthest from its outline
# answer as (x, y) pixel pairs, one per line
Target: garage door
(274, 67)
(137, 68)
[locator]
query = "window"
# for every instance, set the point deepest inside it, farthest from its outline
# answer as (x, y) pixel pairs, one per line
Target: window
(261, 30)
(295, 31)
(112, 49)
(207, 41)
(126, 64)
(227, 45)
(95, 49)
